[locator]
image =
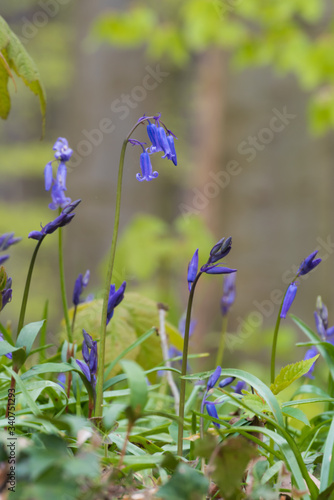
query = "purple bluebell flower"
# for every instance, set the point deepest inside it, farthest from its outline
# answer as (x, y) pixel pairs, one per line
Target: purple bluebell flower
(226, 381)
(239, 387)
(220, 250)
(217, 269)
(309, 264)
(310, 354)
(115, 298)
(228, 297)
(80, 283)
(7, 239)
(214, 378)
(84, 368)
(62, 151)
(48, 176)
(3, 258)
(89, 353)
(6, 292)
(61, 380)
(152, 134)
(172, 155)
(62, 220)
(288, 299)
(192, 269)
(212, 411)
(163, 142)
(146, 168)
(58, 197)
(9, 355)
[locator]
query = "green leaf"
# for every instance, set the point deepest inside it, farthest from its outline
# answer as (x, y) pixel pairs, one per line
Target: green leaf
(6, 348)
(138, 386)
(290, 373)
(20, 61)
(256, 403)
(297, 414)
(185, 484)
(47, 368)
(327, 469)
(28, 334)
(30, 402)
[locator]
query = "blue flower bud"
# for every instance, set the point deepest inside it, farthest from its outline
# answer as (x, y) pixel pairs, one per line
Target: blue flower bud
(308, 264)
(288, 299)
(214, 378)
(192, 269)
(115, 298)
(226, 381)
(212, 411)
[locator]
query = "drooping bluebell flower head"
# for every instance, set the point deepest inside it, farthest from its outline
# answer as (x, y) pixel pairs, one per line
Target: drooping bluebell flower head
(192, 269)
(214, 378)
(89, 354)
(80, 283)
(226, 381)
(212, 411)
(309, 264)
(229, 293)
(58, 185)
(62, 220)
(115, 298)
(288, 299)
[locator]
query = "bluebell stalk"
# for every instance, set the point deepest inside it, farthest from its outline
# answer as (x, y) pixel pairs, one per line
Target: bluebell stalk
(218, 252)
(307, 265)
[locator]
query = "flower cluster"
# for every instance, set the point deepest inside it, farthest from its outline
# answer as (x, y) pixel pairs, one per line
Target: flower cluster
(58, 185)
(89, 354)
(218, 252)
(162, 140)
(305, 267)
(62, 220)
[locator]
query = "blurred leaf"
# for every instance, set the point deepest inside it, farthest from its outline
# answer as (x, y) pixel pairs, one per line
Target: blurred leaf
(138, 386)
(290, 373)
(47, 368)
(185, 484)
(327, 469)
(19, 60)
(297, 414)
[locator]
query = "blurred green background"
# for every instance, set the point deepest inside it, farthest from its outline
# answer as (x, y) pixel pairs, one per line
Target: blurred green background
(247, 87)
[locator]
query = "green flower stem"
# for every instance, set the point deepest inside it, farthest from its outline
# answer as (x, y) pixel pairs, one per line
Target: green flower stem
(220, 354)
(184, 367)
(27, 287)
(274, 346)
(62, 285)
(102, 343)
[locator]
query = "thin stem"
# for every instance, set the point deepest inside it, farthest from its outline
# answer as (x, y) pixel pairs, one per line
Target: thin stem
(102, 344)
(184, 366)
(274, 346)
(73, 318)
(62, 285)
(27, 287)
(220, 354)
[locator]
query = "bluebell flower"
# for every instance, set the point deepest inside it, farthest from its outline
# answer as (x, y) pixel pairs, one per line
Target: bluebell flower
(6, 293)
(61, 380)
(146, 168)
(310, 354)
(115, 298)
(89, 353)
(220, 250)
(172, 155)
(80, 283)
(309, 264)
(212, 411)
(192, 269)
(239, 387)
(62, 220)
(214, 378)
(3, 258)
(215, 269)
(9, 355)
(288, 299)
(84, 368)
(226, 381)
(163, 142)
(58, 185)
(152, 134)
(229, 293)
(7, 240)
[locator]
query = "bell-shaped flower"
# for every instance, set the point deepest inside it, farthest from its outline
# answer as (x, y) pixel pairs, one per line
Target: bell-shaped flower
(212, 411)
(80, 283)
(226, 381)
(146, 168)
(214, 378)
(229, 293)
(62, 151)
(215, 269)
(153, 136)
(192, 269)
(309, 264)
(115, 298)
(7, 240)
(288, 299)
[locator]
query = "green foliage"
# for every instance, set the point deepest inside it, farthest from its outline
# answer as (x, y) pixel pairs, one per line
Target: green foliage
(14, 56)
(138, 387)
(291, 35)
(290, 373)
(185, 484)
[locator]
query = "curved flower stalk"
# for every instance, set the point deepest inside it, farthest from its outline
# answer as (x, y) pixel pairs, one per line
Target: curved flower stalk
(162, 140)
(218, 252)
(305, 267)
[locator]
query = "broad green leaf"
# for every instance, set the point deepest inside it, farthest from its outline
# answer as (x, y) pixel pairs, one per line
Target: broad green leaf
(47, 368)
(130, 448)
(6, 348)
(290, 373)
(327, 469)
(297, 414)
(256, 403)
(29, 400)
(28, 334)
(20, 61)
(138, 386)
(186, 483)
